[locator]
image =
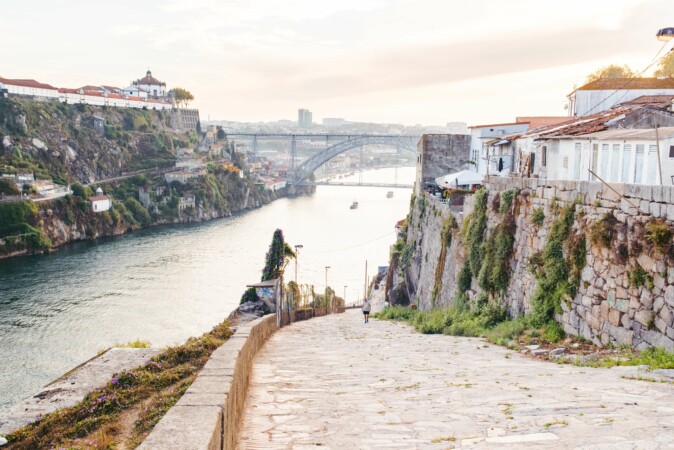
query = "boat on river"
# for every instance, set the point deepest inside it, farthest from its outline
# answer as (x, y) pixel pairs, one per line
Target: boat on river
(354, 205)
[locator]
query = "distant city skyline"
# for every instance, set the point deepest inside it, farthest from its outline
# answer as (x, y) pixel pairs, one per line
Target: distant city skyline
(423, 62)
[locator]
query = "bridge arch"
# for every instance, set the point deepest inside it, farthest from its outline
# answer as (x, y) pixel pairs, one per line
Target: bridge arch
(304, 170)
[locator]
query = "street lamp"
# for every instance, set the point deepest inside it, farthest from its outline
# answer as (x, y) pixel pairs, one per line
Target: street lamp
(297, 254)
(326, 288)
(665, 34)
(344, 298)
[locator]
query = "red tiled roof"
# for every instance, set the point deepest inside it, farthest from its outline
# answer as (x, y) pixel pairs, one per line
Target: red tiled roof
(542, 121)
(650, 99)
(88, 88)
(611, 84)
(26, 83)
(575, 126)
(68, 91)
(98, 198)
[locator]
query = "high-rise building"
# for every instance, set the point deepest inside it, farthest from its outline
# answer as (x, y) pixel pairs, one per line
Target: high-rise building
(304, 118)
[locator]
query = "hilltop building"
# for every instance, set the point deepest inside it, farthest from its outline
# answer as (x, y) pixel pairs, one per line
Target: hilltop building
(152, 86)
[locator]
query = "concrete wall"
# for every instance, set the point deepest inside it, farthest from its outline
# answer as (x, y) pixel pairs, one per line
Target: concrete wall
(607, 308)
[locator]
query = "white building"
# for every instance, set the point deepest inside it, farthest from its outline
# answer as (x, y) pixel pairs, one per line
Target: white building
(616, 156)
(100, 203)
(29, 88)
(603, 94)
(151, 85)
(135, 91)
(483, 149)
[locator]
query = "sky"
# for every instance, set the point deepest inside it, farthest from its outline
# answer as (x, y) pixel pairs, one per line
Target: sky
(390, 61)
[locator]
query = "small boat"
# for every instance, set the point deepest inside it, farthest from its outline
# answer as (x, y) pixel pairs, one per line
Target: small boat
(354, 205)
(389, 194)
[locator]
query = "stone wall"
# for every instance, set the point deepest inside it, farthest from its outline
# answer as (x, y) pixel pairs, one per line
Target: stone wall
(440, 154)
(608, 308)
(207, 416)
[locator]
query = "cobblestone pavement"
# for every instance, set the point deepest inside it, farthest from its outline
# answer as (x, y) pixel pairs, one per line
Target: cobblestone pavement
(338, 383)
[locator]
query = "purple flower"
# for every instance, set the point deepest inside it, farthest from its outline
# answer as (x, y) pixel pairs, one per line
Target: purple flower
(115, 380)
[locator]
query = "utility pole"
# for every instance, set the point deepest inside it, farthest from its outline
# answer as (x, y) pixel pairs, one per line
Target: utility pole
(365, 290)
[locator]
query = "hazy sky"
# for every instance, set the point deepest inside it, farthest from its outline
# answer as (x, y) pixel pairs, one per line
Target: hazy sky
(405, 61)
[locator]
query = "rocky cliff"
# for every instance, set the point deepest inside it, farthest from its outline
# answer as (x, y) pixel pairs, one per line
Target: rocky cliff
(80, 144)
(83, 143)
(599, 260)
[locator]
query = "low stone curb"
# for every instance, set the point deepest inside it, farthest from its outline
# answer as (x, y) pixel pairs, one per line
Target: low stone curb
(207, 415)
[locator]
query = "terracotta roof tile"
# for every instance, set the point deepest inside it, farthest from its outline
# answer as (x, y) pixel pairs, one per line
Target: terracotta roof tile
(26, 83)
(628, 83)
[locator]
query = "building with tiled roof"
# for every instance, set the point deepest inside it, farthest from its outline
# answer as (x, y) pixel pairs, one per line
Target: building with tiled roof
(29, 88)
(151, 85)
(605, 93)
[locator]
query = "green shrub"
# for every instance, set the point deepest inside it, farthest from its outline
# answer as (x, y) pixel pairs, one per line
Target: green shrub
(448, 226)
(601, 232)
(507, 198)
(465, 278)
(639, 277)
(658, 234)
(538, 217)
(557, 277)
(138, 211)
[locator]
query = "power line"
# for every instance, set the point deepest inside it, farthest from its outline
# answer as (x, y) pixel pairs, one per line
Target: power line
(352, 246)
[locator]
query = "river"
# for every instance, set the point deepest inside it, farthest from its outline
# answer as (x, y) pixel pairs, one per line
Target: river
(168, 283)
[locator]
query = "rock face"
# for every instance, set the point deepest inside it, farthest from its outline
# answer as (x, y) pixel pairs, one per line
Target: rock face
(625, 293)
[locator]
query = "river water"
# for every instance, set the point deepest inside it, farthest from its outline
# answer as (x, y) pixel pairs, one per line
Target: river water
(165, 284)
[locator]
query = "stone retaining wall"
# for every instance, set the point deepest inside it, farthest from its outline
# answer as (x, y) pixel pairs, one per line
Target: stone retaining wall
(608, 308)
(207, 416)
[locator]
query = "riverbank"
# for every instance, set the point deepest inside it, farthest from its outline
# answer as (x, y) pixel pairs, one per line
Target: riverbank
(46, 226)
(163, 284)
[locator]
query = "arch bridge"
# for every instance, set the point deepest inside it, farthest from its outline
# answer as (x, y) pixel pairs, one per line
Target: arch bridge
(340, 144)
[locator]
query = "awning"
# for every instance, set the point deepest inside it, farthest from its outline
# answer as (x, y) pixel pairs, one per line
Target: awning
(463, 178)
(503, 142)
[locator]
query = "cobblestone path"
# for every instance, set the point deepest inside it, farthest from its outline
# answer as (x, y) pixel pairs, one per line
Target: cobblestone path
(335, 382)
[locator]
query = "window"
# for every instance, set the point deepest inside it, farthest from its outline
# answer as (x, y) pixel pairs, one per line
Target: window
(652, 167)
(595, 156)
(565, 162)
(639, 164)
(615, 163)
(627, 156)
(544, 156)
(671, 151)
(576, 163)
(603, 166)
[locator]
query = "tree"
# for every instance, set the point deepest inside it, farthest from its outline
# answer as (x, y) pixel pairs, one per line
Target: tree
(221, 134)
(611, 71)
(181, 96)
(666, 66)
(8, 187)
(278, 255)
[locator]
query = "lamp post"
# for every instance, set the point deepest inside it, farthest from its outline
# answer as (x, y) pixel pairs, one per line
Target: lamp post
(297, 254)
(344, 298)
(326, 288)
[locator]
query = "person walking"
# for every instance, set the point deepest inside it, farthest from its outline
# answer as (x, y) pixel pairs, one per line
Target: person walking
(366, 309)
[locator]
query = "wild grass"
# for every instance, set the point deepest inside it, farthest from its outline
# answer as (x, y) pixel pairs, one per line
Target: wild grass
(94, 422)
(654, 358)
(488, 321)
